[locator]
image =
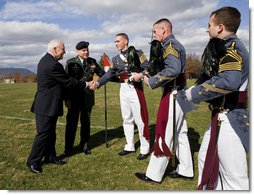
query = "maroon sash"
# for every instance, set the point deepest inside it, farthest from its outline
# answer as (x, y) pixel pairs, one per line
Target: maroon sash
(143, 109)
(161, 123)
(210, 173)
(162, 117)
(123, 76)
(211, 167)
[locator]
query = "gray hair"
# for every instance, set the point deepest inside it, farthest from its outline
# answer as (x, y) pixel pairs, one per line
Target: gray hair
(54, 43)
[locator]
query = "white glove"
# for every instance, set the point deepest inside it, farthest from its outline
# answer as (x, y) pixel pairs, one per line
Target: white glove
(188, 93)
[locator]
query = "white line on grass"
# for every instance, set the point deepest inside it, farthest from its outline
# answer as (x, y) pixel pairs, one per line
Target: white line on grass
(32, 120)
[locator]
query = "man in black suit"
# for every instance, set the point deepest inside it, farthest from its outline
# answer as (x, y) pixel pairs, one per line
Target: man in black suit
(48, 105)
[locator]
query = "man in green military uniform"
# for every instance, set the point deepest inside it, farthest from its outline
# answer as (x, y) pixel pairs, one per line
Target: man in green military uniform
(80, 101)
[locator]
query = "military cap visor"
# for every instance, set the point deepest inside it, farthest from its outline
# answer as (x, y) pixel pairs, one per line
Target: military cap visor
(82, 45)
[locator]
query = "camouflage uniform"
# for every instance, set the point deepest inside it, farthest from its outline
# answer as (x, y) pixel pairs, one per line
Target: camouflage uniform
(82, 100)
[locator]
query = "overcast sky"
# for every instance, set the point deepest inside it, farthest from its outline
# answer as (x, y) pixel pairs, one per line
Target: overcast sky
(26, 26)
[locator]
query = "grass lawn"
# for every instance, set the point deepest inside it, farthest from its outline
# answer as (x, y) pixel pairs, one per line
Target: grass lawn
(104, 169)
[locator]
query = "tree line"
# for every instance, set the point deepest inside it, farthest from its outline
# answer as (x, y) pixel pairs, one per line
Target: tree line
(18, 77)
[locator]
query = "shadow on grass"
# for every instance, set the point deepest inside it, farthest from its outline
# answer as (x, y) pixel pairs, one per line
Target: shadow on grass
(107, 137)
(98, 139)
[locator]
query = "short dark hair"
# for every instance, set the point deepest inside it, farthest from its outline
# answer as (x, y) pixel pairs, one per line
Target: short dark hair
(164, 20)
(124, 35)
(230, 17)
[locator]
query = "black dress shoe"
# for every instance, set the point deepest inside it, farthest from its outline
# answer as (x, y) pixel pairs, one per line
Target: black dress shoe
(143, 177)
(56, 162)
(35, 168)
(87, 152)
(142, 156)
(67, 153)
(175, 175)
(124, 152)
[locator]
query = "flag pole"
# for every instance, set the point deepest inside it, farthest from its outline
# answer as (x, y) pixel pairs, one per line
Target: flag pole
(106, 67)
(106, 118)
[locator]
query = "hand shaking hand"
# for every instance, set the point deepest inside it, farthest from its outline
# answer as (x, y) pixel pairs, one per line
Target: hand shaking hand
(93, 85)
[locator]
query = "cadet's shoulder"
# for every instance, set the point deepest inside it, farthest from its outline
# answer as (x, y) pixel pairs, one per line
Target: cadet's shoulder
(140, 51)
(173, 47)
(116, 57)
(176, 44)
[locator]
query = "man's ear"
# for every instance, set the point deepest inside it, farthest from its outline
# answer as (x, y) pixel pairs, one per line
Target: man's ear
(221, 27)
(163, 30)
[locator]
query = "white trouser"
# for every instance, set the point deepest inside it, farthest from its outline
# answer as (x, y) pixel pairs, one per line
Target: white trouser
(157, 165)
(233, 170)
(131, 113)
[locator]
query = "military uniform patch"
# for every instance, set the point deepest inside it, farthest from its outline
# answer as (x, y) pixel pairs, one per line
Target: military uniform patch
(142, 58)
(232, 61)
(170, 51)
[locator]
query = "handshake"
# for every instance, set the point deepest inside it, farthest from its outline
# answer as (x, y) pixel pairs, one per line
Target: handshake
(92, 85)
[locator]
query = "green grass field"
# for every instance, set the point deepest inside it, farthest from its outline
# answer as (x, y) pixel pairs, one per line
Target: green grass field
(104, 169)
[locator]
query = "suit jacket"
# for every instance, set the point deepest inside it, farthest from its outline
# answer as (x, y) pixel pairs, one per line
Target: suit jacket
(51, 81)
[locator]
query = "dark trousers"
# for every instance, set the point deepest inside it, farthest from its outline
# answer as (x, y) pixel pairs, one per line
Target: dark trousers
(72, 118)
(45, 139)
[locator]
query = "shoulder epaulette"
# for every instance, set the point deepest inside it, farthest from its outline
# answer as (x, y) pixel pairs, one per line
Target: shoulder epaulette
(170, 50)
(232, 60)
(142, 58)
(232, 45)
(72, 60)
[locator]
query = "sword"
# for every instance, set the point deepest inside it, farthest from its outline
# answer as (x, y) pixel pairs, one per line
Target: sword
(174, 92)
(106, 121)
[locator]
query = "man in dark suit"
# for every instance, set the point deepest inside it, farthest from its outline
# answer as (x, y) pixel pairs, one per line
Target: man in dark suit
(80, 101)
(48, 105)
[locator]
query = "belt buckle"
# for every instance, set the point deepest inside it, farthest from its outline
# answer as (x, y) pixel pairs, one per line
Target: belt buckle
(219, 109)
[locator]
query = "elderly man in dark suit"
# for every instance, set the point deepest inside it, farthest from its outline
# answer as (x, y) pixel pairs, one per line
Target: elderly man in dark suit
(48, 105)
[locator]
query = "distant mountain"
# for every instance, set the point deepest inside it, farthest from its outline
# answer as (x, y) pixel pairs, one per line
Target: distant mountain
(22, 71)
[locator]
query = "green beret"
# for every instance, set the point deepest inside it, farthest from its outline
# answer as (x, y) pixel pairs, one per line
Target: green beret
(82, 45)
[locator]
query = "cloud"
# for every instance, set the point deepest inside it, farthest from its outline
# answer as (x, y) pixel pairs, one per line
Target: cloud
(36, 10)
(15, 32)
(27, 26)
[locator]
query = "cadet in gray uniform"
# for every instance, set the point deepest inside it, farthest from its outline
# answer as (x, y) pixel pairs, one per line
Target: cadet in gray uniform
(171, 79)
(222, 156)
(132, 99)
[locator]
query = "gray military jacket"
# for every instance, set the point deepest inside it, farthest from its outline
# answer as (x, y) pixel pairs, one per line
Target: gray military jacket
(232, 77)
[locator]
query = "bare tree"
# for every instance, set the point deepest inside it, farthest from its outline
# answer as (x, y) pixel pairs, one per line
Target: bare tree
(193, 66)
